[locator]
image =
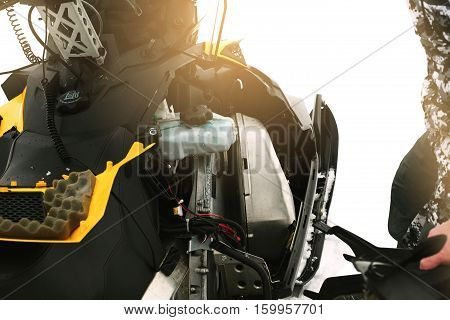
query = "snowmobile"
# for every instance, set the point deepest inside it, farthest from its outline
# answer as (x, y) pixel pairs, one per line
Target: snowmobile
(147, 165)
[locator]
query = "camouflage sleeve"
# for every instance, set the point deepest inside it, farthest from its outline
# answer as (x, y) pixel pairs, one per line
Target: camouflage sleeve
(432, 24)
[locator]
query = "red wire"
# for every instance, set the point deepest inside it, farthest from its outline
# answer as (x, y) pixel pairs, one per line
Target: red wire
(230, 231)
(225, 228)
(209, 215)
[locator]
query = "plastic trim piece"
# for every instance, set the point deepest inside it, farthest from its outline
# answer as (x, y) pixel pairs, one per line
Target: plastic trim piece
(11, 114)
(236, 58)
(99, 201)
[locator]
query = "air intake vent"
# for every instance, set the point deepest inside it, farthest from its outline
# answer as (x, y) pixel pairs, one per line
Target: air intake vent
(15, 206)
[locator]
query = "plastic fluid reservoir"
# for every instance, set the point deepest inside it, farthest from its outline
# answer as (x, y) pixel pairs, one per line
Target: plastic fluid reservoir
(178, 140)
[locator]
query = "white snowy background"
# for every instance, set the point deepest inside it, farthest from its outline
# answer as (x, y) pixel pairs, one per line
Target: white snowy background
(368, 64)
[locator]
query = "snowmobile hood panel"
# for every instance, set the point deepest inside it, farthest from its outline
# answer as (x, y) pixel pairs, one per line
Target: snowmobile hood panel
(127, 95)
(11, 114)
(99, 200)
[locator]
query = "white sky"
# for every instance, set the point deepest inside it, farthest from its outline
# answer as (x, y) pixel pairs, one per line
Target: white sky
(303, 45)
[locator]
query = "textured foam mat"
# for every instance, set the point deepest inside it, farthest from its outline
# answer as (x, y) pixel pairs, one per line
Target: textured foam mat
(66, 205)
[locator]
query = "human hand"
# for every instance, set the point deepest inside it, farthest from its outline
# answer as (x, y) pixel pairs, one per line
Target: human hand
(443, 256)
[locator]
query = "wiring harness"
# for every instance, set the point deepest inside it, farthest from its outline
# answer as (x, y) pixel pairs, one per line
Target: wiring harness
(186, 222)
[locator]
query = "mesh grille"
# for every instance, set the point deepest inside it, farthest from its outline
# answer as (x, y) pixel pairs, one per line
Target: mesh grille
(17, 205)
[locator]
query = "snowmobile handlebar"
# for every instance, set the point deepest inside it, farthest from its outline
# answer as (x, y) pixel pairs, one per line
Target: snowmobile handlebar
(366, 250)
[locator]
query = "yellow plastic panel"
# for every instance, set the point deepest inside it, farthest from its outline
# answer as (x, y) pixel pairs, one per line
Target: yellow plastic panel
(100, 198)
(12, 114)
(211, 49)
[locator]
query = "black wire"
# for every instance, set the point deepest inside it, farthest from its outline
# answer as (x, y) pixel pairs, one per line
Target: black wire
(196, 226)
(21, 37)
(234, 241)
(229, 222)
(50, 109)
(171, 196)
(204, 226)
(234, 224)
(53, 53)
(50, 93)
(131, 214)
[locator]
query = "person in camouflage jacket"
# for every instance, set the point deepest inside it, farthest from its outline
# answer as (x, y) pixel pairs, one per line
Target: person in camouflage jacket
(432, 24)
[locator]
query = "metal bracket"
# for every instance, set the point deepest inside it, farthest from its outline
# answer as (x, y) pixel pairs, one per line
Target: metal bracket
(196, 244)
(239, 281)
(198, 275)
(73, 32)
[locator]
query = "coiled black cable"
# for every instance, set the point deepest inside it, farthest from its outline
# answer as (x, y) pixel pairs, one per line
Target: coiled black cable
(50, 108)
(21, 38)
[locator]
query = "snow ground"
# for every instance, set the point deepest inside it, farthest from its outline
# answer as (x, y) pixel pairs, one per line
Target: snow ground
(333, 264)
